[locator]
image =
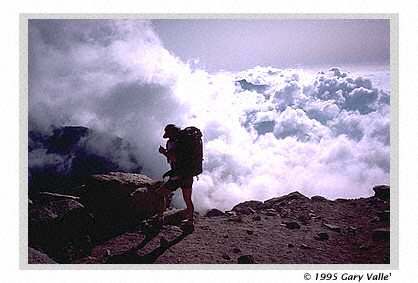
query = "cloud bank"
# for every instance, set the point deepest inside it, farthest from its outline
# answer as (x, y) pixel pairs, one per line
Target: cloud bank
(267, 131)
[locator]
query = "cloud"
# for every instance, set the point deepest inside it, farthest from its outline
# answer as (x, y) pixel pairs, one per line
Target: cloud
(267, 131)
(112, 76)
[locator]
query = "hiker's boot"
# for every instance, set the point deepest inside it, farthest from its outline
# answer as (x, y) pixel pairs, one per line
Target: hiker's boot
(187, 226)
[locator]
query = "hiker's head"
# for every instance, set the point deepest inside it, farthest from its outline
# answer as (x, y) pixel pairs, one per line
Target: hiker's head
(170, 131)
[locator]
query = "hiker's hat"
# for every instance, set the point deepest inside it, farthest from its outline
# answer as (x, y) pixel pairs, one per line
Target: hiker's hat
(170, 128)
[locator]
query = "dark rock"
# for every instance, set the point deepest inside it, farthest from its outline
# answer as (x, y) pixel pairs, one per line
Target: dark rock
(38, 257)
(290, 245)
(121, 199)
(382, 192)
(243, 207)
(331, 227)
(61, 226)
(250, 232)
(226, 236)
(246, 259)
(291, 225)
(244, 210)
(384, 216)
(318, 198)
(292, 196)
(322, 236)
(381, 234)
(214, 213)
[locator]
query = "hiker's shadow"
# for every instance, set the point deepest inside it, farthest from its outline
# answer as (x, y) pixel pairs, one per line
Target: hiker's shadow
(131, 256)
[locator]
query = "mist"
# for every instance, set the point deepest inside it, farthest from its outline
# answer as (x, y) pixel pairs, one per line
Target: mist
(267, 131)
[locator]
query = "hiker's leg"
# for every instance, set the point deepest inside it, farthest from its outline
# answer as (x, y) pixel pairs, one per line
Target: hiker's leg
(163, 191)
(187, 196)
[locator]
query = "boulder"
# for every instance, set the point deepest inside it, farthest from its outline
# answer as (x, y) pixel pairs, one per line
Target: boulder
(61, 226)
(284, 199)
(381, 234)
(382, 192)
(120, 199)
(322, 236)
(248, 207)
(214, 213)
(246, 259)
(38, 257)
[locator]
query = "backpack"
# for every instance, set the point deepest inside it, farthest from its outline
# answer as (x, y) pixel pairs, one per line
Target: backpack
(189, 152)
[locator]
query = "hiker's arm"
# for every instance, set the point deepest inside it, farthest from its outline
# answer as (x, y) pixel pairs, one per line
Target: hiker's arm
(163, 151)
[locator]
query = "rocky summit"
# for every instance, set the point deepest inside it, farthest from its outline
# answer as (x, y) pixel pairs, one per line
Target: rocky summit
(110, 222)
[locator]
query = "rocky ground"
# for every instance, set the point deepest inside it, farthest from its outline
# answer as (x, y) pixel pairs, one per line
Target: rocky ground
(284, 230)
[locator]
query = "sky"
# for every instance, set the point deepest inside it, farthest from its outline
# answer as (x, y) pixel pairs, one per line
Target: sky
(304, 106)
(218, 44)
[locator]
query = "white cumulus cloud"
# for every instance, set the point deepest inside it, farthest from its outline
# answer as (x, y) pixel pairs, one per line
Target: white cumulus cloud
(267, 131)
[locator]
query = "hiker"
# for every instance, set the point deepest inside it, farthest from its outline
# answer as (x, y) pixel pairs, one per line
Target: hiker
(184, 154)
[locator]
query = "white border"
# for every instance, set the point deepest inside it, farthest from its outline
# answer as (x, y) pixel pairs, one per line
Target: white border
(394, 122)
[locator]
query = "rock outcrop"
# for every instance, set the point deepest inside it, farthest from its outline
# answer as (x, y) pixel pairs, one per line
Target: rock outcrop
(61, 226)
(81, 152)
(382, 192)
(38, 257)
(119, 200)
(111, 222)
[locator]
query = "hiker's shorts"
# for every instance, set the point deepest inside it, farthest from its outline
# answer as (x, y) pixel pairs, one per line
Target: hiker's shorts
(179, 182)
